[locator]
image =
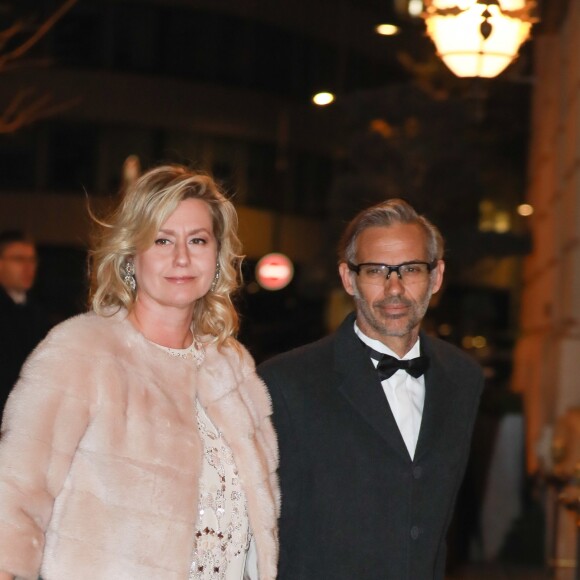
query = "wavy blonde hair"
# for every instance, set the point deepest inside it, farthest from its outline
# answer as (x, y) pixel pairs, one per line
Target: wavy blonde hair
(132, 228)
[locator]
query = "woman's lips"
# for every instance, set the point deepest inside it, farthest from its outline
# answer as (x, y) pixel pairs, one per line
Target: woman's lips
(179, 279)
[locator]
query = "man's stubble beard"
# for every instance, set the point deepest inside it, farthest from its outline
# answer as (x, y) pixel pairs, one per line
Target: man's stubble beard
(414, 317)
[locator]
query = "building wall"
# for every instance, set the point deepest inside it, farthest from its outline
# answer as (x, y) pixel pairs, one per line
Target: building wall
(547, 357)
(64, 220)
(548, 353)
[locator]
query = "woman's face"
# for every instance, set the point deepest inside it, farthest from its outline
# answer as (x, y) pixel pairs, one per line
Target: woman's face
(180, 265)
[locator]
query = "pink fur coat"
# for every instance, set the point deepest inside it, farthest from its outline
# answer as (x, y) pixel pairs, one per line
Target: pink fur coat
(100, 455)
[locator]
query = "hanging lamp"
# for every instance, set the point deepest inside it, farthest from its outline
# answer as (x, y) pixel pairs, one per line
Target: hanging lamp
(478, 38)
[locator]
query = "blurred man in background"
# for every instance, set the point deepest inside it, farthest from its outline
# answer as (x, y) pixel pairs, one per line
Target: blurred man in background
(23, 324)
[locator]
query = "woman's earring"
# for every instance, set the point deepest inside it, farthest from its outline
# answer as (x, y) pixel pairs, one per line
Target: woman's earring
(129, 277)
(215, 278)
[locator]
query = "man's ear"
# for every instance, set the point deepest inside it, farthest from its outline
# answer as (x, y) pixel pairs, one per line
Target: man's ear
(346, 277)
(439, 269)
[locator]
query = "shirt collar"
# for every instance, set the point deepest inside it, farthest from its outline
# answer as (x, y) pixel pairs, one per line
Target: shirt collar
(17, 297)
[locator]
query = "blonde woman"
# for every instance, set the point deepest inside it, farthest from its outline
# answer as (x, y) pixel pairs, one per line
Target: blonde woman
(137, 443)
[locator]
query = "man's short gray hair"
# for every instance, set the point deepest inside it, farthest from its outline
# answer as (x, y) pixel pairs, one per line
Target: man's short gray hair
(385, 214)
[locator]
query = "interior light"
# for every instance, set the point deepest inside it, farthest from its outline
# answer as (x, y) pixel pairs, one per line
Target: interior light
(415, 8)
(478, 38)
(387, 29)
(323, 98)
(445, 329)
(502, 222)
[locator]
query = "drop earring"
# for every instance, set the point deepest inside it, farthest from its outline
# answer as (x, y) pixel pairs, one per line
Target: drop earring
(129, 275)
(215, 278)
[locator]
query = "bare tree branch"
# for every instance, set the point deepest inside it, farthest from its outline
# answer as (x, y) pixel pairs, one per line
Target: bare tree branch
(38, 34)
(26, 107)
(10, 32)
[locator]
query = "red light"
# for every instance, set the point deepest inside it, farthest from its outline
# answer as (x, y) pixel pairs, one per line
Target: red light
(274, 271)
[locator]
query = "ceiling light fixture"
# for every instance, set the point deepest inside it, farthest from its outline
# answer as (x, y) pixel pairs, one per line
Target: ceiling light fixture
(387, 29)
(322, 99)
(478, 38)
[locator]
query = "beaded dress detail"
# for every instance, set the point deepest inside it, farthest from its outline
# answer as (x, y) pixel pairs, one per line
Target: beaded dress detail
(222, 534)
(195, 352)
(223, 531)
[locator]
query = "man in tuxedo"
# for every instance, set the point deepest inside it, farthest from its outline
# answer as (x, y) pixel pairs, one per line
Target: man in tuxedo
(23, 324)
(374, 421)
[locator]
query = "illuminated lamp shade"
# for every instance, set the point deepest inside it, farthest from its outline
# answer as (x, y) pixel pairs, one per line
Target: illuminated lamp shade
(478, 38)
(274, 271)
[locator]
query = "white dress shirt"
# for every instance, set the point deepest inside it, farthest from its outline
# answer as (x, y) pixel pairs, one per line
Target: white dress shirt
(405, 394)
(17, 296)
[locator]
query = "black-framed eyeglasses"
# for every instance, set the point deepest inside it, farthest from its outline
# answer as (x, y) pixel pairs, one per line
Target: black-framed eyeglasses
(408, 272)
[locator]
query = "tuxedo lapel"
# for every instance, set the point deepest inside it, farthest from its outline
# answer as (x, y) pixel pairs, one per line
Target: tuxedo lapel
(359, 384)
(440, 401)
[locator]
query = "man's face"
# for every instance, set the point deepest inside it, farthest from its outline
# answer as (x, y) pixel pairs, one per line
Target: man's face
(392, 311)
(18, 266)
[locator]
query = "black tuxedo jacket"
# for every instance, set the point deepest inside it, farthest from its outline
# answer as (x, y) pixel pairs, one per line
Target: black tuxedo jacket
(22, 327)
(354, 504)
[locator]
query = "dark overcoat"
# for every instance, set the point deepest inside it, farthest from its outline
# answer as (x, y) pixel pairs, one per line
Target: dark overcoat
(355, 506)
(22, 327)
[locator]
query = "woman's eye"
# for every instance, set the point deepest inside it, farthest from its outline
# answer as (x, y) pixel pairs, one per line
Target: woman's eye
(161, 242)
(198, 241)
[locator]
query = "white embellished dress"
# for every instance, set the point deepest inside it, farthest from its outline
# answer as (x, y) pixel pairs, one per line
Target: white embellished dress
(222, 536)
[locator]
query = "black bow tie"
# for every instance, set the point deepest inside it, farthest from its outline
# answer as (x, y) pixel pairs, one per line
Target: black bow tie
(389, 365)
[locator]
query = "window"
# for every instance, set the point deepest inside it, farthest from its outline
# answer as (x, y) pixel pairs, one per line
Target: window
(18, 154)
(72, 158)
